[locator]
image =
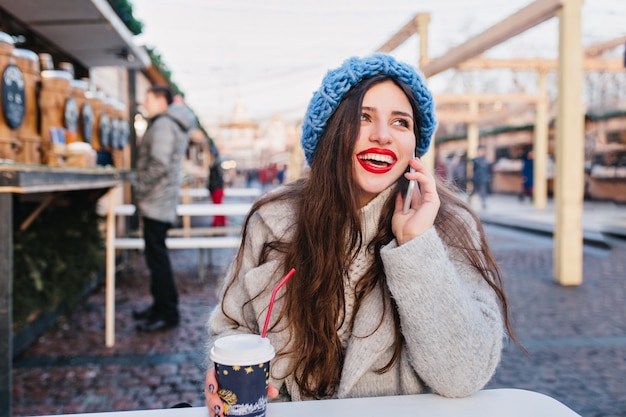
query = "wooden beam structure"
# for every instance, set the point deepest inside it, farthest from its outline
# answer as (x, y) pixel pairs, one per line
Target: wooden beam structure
(487, 98)
(601, 47)
(590, 64)
(400, 36)
(526, 18)
(482, 118)
(499, 116)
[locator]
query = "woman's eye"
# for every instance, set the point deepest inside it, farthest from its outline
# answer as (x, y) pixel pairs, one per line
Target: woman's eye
(402, 122)
(365, 117)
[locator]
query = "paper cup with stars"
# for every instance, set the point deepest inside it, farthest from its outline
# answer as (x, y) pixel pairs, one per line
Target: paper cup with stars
(242, 365)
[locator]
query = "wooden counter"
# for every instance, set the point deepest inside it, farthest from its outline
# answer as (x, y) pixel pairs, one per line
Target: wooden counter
(24, 179)
(506, 182)
(607, 189)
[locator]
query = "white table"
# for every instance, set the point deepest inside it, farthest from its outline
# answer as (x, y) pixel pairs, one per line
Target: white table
(228, 192)
(206, 209)
(486, 403)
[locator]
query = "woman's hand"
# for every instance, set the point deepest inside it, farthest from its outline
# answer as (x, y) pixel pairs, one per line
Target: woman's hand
(213, 401)
(424, 205)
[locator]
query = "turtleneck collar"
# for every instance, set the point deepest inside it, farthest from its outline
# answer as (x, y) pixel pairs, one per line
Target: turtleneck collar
(370, 213)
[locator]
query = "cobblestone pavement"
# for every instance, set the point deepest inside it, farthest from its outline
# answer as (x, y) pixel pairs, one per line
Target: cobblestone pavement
(575, 337)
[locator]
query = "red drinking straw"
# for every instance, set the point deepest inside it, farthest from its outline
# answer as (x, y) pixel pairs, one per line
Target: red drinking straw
(274, 291)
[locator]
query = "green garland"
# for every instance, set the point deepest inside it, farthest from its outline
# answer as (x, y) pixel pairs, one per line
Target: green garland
(161, 66)
(56, 259)
(124, 10)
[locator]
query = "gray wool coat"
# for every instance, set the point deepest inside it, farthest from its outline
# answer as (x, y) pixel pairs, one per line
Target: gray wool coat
(159, 163)
(450, 317)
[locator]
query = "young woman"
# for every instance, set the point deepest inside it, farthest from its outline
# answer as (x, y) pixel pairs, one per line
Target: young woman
(383, 302)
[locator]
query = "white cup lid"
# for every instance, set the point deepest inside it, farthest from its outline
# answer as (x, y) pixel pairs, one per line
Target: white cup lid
(242, 349)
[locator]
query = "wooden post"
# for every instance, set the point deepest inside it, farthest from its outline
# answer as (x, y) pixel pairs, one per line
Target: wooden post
(186, 199)
(473, 136)
(569, 149)
(540, 147)
(109, 321)
(421, 21)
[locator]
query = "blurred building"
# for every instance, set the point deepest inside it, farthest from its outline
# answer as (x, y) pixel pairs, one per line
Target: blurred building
(255, 145)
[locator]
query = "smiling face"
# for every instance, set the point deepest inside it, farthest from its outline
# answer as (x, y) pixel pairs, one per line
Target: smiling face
(386, 139)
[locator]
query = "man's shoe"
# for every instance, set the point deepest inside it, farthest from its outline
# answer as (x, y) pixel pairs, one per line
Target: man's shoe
(145, 314)
(156, 325)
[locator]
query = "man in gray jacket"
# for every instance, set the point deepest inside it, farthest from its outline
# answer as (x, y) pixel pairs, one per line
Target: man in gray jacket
(159, 177)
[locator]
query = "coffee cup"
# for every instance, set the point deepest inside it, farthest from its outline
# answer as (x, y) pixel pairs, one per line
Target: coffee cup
(242, 367)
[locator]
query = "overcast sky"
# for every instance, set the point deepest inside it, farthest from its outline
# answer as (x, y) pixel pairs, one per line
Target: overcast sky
(272, 54)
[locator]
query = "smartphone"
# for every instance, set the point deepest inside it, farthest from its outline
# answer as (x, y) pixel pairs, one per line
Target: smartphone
(409, 192)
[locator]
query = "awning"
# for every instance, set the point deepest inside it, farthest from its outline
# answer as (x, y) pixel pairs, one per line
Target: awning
(88, 30)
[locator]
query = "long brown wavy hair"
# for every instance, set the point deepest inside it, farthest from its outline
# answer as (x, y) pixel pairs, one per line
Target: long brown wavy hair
(326, 240)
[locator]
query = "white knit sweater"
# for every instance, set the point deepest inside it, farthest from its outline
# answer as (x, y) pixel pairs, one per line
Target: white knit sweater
(450, 318)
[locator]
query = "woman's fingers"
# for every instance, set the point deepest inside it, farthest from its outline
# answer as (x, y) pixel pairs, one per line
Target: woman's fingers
(424, 205)
(272, 391)
(425, 179)
(213, 402)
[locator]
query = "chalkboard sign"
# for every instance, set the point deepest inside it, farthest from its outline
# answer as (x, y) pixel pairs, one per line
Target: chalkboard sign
(115, 133)
(13, 97)
(70, 115)
(105, 130)
(124, 133)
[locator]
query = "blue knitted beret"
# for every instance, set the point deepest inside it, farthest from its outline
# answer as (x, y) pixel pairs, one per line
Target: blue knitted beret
(339, 81)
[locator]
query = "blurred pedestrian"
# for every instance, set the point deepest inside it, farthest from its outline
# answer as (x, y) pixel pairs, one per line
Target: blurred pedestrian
(159, 177)
(281, 174)
(527, 175)
(481, 175)
(216, 185)
(459, 171)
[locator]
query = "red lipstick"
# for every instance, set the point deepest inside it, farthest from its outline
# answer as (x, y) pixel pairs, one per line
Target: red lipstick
(377, 160)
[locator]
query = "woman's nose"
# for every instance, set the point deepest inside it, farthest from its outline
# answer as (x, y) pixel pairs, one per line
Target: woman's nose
(381, 133)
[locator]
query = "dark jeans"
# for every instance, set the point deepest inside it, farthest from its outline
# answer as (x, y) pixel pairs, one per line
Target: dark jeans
(162, 285)
(481, 190)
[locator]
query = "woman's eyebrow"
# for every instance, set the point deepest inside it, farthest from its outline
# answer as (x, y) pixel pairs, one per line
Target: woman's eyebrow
(402, 113)
(394, 112)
